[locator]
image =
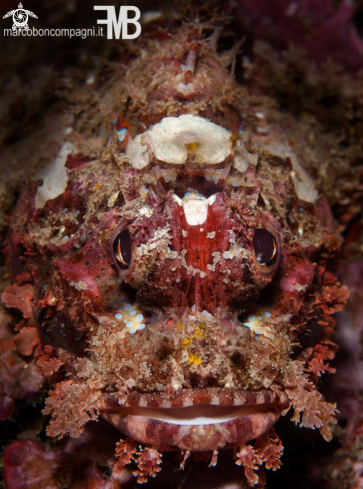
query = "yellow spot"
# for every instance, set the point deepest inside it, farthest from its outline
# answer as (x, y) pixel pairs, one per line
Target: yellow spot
(194, 359)
(234, 138)
(199, 333)
(192, 147)
(179, 326)
(186, 342)
(102, 236)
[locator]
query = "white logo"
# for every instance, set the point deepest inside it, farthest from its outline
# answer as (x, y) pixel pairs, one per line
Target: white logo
(20, 17)
(114, 24)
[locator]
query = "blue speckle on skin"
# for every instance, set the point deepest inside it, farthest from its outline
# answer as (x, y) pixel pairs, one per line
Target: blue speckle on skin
(139, 318)
(268, 314)
(121, 134)
(235, 184)
(118, 316)
(190, 192)
(260, 318)
(148, 180)
(142, 326)
(132, 313)
(167, 179)
(130, 324)
(128, 307)
(257, 338)
(251, 318)
(244, 134)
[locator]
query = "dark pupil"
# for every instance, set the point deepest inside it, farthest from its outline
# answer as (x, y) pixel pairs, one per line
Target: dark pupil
(264, 245)
(122, 248)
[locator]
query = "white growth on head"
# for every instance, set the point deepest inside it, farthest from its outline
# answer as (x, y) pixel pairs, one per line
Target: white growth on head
(55, 178)
(173, 139)
(195, 207)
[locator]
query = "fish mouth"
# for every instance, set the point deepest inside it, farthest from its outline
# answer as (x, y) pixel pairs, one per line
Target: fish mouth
(195, 424)
(199, 415)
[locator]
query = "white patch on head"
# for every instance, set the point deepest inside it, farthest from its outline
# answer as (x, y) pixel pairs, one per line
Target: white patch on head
(195, 207)
(242, 159)
(55, 178)
(111, 201)
(303, 183)
(146, 211)
(174, 138)
(138, 151)
(195, 210)
(79, 285)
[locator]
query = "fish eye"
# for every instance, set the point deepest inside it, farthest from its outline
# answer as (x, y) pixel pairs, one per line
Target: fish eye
(122, 249)
(264, 245)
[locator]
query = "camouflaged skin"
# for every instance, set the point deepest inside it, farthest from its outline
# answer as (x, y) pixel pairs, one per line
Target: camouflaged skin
(195, 346)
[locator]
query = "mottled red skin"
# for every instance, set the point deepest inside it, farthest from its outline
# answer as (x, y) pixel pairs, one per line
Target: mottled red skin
(211, 292)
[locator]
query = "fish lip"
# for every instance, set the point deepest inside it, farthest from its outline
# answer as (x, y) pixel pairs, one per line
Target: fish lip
(210, 395)
(187, 398)
(187, 420)
(198, 414)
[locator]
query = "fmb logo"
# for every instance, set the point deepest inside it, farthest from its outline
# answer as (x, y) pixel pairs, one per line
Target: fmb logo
(115, 24)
